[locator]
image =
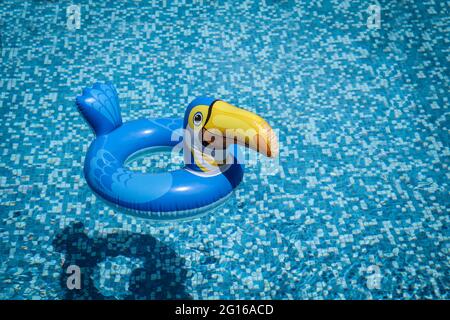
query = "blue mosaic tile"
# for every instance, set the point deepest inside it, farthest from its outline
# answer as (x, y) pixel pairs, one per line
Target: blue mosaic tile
(357, 207)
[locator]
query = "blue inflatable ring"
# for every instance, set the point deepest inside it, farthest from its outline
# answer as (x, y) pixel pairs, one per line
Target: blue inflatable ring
(167, 195)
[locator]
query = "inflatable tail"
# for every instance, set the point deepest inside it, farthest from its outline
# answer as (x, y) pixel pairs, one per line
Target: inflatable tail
(99, 105)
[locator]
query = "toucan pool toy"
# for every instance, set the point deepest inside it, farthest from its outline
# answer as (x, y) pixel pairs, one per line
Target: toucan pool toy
(209, 133)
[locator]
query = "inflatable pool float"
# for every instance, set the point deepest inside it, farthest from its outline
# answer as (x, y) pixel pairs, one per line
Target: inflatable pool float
(208, 135)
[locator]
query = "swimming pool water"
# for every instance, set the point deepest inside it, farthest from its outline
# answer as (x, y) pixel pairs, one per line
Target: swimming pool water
(357, 207)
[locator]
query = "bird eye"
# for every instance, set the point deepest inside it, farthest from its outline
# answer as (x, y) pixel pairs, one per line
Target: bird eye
(198, 118)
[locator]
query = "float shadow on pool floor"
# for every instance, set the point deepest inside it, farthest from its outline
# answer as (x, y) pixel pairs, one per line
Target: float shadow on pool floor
(160, 273)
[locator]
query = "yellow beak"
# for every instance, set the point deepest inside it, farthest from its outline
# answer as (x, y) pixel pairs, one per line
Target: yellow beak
(228, 124)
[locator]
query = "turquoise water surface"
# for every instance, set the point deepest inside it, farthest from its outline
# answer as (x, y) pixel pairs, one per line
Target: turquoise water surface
(357, 207)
